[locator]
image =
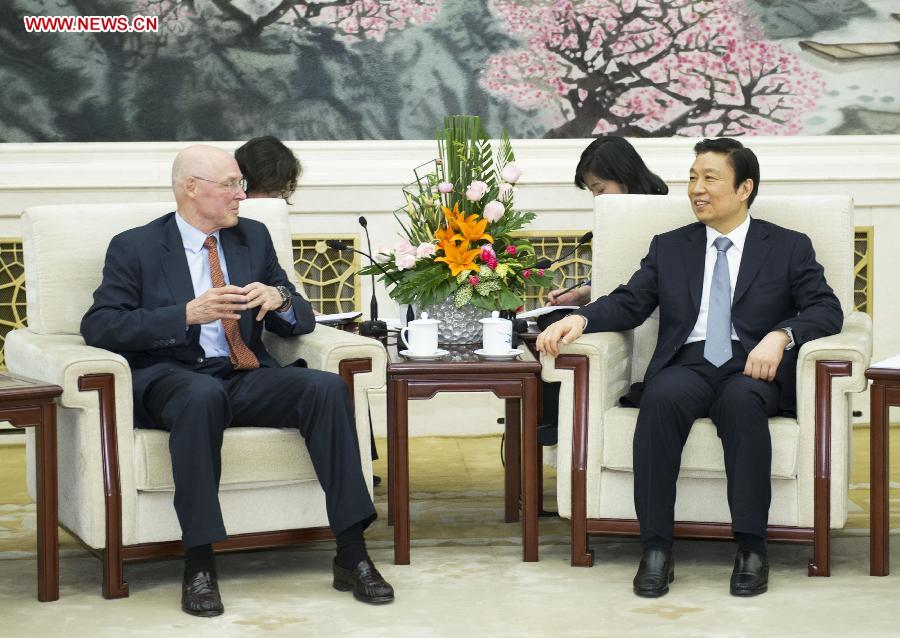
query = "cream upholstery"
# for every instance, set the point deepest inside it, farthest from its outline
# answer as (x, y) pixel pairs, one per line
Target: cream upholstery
(622, 234)
(267, 478)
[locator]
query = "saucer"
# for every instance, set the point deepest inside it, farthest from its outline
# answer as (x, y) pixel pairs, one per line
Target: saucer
(431, 356)
(498, 356)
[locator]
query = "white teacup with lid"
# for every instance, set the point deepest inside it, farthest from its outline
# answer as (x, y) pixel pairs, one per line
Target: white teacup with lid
(496, 334)
(422, 336)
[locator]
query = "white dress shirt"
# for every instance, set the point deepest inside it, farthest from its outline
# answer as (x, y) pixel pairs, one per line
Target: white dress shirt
(738, 237)
(212, 335)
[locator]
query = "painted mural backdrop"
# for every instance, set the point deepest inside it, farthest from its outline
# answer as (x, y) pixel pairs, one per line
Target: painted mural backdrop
(390, 69)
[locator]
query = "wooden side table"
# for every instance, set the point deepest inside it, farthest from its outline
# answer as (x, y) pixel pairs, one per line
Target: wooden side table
(884, 393)
(515, 381)
(28, 403)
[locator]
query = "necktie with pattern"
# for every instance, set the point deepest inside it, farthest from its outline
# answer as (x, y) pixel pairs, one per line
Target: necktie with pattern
(718, 320)
(241, 356)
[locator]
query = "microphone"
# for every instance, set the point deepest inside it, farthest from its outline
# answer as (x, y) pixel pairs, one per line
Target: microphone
(545, 263)
(335, 244)
(373, 305)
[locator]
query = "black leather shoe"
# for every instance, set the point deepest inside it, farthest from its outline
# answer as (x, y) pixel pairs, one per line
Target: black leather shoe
(364, 581)
(200, 595)
(751, 574)
(547, 433)
(656, 571)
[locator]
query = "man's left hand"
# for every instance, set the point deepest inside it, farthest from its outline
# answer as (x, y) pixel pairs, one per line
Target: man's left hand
(266, 297)
(763, 360)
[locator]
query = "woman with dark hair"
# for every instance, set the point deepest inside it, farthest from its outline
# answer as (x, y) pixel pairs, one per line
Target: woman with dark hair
(608, 166)
(270, 168)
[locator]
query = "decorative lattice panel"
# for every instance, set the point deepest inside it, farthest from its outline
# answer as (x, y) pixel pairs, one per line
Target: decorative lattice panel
(328, 276)
(568, 271)
(863, 260)
(12, 289)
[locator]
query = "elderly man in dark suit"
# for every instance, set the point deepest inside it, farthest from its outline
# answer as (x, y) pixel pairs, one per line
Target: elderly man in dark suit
(737, 297)
(184, 300)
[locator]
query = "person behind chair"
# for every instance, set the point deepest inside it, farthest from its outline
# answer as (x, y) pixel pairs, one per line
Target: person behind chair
(270, 168)
(609, 165)
(737, 297)
(184, 299)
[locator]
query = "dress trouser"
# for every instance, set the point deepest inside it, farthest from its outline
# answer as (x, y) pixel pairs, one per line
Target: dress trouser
(196, 406)
(690, 388)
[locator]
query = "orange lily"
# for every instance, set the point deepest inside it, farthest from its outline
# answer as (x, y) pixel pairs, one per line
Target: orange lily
(451, 216)
(470, 229)
(458, 258)
(443, 235)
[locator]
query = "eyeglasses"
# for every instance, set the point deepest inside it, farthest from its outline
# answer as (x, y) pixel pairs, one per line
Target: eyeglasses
(232, 186)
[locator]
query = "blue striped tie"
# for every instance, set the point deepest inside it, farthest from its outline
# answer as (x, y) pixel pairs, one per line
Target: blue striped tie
(718, 321)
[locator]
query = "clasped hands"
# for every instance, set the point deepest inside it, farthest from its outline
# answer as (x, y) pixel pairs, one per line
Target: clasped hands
(762, 361)
(226, 302)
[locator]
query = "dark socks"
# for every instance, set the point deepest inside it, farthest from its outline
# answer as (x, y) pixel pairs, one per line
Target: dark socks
(199, 559)
(351, 547)
(751, 542)
(656, 542)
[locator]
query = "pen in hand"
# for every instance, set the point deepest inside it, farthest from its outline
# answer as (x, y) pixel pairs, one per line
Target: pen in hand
(577, 284)
(556, 294)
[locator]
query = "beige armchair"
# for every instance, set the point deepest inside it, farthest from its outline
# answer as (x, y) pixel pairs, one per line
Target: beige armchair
(811, 453)
(115, 482)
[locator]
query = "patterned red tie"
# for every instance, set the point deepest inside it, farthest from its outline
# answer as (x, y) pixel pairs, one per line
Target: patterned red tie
(241, 356)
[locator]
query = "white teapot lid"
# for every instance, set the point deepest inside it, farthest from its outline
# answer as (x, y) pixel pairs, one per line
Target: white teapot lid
(494, 318)
(425, 320)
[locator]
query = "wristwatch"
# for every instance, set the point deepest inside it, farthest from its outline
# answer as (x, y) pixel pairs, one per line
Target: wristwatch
(285, 298)
(790, 334)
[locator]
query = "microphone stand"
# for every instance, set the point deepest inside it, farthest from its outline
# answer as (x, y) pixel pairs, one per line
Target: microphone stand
(546, 263)
(373, 327)
(334, 244)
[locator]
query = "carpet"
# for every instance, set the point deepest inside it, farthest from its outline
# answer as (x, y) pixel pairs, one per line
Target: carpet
(456, 497)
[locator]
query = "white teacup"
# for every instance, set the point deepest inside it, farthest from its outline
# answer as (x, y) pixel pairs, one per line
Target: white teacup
(496, 334)
(422, 335)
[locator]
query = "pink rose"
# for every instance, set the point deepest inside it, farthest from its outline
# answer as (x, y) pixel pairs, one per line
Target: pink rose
(506, 191)
(445, 187)
(493, 211)
(511, 173)
(403, 247)
(540, 272)
(526, 273)
(476, 191)
(474, 280)
(424, 250)
(510, 250)
(493, 263)
(487, 253)
(382, 255)
(405, 260)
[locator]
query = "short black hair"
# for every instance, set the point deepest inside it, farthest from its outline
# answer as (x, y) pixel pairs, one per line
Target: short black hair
(742, 160)
(613, 158)
(268, 166)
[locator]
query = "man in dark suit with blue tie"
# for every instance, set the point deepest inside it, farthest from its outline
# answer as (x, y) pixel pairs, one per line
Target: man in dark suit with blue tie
(184, 300)
(737, 296)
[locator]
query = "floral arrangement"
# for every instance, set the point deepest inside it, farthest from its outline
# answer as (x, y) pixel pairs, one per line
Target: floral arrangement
(457, 225)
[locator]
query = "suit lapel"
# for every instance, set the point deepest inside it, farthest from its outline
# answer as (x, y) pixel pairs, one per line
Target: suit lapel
(695, 262)
(237, 260)
(756, 251)
(174, 263)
